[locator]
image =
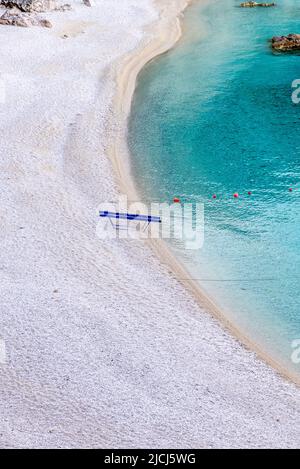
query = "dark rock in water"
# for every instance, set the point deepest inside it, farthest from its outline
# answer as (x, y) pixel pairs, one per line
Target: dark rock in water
(286, 43)
(28, 6)
(23, 20)
(255, 4)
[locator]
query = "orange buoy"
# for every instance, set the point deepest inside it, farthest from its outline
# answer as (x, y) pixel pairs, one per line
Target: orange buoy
(236, 195)
(176, 200)
(291, 189)
(249, 193)
(214, 196)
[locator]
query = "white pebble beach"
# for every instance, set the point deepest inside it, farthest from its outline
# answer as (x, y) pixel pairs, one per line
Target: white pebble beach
(104, 347)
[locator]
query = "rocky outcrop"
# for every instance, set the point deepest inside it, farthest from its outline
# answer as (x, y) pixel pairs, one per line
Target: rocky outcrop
(23, 13)
(286, 43)
(255, 4)
(24, 20)
(64, 7)
(28, 6)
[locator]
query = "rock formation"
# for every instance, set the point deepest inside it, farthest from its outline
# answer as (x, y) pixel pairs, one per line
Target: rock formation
(255, 4)
(29, 6)
(24, 12)
(286, 43)
(15, 18)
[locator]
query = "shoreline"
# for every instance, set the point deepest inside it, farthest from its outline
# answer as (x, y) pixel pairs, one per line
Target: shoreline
(165, 34)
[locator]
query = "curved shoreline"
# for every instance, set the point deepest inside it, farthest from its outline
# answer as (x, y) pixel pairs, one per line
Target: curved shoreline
(165, 32)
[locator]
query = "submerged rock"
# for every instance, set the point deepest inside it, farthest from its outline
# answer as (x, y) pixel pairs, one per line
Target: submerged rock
(29, 6)
(14, 18)
(286, 43)
(255, 4)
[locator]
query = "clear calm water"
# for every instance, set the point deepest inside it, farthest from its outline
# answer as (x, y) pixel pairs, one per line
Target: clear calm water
(215, 115)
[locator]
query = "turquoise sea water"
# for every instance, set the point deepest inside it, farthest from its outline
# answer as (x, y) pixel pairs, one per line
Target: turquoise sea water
(215, 116)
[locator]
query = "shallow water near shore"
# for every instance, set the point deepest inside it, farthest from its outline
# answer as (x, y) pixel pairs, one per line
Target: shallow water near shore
(215, 116)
